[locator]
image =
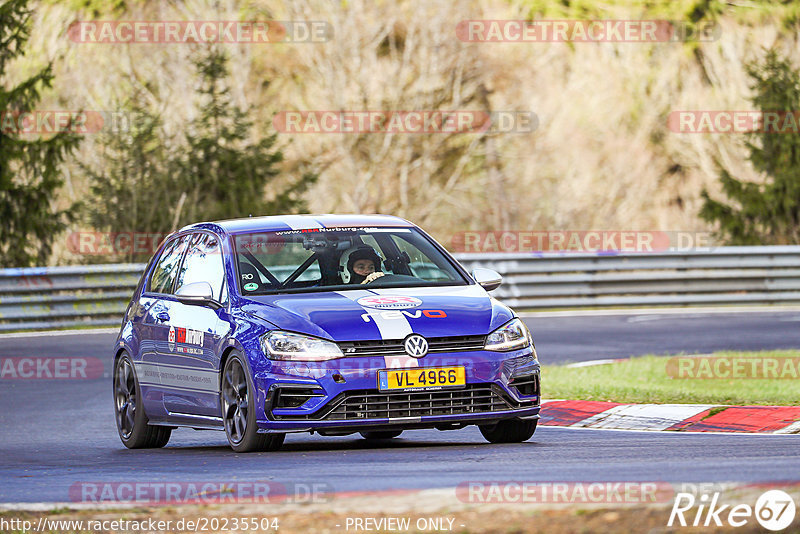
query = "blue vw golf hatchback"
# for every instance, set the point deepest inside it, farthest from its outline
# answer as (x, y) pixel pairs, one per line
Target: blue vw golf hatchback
(335, 324)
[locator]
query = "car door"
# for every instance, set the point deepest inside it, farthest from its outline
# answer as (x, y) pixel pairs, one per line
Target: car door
(197, 332)
(153, 329)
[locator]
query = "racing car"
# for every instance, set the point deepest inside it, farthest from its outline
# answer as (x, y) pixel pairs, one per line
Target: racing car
(328, 324)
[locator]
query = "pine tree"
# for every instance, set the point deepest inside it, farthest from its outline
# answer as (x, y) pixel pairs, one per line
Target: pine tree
(146, 182)
(133, 187)
(224, 174)
(29, 167)
(765, 213)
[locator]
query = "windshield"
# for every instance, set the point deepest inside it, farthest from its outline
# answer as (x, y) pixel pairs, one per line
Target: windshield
(340, 258)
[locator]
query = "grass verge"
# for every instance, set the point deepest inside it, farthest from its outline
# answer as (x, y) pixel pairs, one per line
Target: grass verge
(646, 380)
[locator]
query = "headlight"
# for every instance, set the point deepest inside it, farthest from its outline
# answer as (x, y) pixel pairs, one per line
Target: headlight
(513, 335)
(279, 345)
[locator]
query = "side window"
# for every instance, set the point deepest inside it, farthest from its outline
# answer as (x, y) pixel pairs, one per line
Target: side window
(167, 267)
(418, 259)
(203, 263)
(420, 264)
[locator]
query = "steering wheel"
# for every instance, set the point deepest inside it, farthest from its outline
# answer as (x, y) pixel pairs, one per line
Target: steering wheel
(367, 280)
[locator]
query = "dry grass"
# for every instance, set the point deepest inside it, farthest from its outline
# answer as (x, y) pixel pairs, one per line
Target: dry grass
(602, 157)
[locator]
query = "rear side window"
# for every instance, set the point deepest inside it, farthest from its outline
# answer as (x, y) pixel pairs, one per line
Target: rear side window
(203, 263)
(161, 281)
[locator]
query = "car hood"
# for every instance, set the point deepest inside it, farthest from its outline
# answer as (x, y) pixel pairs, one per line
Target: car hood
(337, 315)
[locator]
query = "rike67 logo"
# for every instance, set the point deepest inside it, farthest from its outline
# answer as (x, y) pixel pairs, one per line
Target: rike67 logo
(774, 510)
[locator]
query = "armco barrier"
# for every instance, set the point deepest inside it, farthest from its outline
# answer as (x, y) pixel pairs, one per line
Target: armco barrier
(724, 275)
(55, 297)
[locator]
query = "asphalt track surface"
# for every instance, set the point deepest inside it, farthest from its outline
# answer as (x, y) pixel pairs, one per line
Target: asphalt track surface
(57, 434)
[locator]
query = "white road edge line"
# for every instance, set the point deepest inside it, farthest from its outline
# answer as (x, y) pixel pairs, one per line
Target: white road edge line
(667, 432)
(524, 315)
(794, 428)
(662, 311)
(50, 333)
(592, 363)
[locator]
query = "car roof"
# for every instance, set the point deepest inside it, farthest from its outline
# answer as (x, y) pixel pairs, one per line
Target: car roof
(277, 223)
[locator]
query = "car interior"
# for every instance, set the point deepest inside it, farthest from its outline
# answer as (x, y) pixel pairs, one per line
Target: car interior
(314, 261)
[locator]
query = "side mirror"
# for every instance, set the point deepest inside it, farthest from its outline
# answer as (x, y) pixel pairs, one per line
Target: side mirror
(197, 294)
(487, 278)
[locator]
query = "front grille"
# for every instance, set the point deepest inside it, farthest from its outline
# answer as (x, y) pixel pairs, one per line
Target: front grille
(374, 404)
(388, 347)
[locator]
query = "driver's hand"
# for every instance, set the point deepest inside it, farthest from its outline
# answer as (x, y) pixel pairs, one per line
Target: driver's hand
(371, 277)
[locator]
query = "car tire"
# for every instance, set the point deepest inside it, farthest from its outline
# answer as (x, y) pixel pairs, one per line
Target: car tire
(509, 431)
(381, 434)
(132, 423)
(237, 404)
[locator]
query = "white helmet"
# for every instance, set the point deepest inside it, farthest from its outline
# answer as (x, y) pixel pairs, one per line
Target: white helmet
(351, 255)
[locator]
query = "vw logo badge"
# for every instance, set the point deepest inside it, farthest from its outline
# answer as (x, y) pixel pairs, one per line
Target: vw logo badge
(416, 346)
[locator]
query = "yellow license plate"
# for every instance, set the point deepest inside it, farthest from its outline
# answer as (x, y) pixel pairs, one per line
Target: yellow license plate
(422, 378)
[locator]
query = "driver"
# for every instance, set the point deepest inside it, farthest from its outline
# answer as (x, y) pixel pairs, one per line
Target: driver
(359, 265)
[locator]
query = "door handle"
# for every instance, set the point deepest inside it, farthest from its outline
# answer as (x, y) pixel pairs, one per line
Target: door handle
(162, 316)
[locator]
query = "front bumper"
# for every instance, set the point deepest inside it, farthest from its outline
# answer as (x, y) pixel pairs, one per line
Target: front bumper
(343, 394)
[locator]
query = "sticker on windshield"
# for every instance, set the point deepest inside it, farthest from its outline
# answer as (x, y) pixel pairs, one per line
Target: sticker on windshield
(387, 302)
(251, 286)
